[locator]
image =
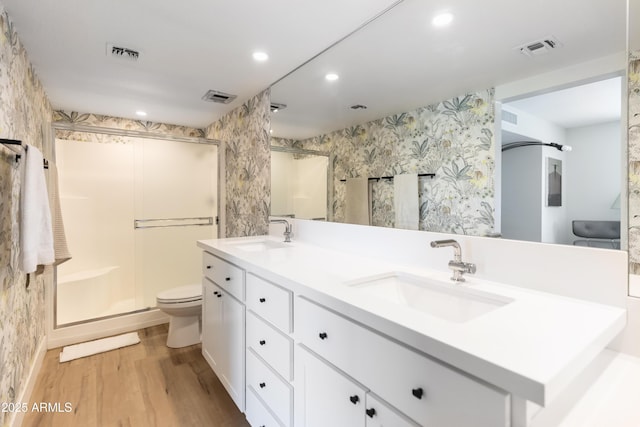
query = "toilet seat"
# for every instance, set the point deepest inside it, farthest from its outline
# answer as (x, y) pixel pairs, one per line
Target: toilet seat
(180, 295)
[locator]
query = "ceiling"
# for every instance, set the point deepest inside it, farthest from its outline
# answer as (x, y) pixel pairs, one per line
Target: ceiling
(401, 62)
(583, 105)
(396, 63)
(187, 48)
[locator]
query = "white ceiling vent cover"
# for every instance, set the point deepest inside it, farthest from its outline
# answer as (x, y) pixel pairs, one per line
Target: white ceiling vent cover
(539, 47)
(219, 97)
(122, 52)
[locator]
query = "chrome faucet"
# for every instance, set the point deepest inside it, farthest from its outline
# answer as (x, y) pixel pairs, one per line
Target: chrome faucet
(457, 265)
(287, 228)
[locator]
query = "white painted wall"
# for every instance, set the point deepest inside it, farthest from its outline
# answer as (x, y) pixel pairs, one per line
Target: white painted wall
(595, 167)
(525, 215)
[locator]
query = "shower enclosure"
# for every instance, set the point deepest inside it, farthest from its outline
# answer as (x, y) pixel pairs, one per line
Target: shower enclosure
(133, 209)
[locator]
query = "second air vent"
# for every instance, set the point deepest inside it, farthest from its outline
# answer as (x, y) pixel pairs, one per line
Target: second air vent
(122, 52)
(539, 47)
(219, 97)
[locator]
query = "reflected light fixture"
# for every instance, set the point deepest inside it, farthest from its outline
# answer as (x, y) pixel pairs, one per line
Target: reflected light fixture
(332, 77)
(141, 113)
(517, 144)
(260, 56)
(442, 19)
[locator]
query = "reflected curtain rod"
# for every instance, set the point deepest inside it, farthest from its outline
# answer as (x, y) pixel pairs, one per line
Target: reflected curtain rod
(517, 144)
(391, 178)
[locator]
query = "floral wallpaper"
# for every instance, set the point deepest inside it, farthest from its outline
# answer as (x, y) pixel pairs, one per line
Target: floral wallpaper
(245, 134)
(25, 114)
(634, 162)
(453, 139)
(99, 120)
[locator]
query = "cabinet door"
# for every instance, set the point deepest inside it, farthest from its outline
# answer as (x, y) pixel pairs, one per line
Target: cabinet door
(223, 339)
(211, 325)
(324, 396)
(380, 414)
(232, 345)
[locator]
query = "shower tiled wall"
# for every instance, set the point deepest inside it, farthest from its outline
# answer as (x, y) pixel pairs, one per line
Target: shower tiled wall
(25, 114)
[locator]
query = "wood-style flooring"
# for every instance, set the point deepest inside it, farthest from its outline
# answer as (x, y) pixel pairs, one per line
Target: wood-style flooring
(147, 384)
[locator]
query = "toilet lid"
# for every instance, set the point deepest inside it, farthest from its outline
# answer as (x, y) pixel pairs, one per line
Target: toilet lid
(180, 294)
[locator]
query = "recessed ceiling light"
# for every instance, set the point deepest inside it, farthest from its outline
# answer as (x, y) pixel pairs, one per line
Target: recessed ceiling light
(332, 77)
(141, 113)
(260, 56)
(442, 19)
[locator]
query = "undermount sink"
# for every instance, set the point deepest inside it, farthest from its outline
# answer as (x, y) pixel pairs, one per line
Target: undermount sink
(260, 245)
(446, 300)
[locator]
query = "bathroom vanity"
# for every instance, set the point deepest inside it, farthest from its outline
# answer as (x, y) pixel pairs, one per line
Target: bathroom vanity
(305, 335)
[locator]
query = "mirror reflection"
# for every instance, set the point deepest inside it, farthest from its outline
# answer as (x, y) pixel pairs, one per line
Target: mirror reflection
(413, 98)
(299, 184)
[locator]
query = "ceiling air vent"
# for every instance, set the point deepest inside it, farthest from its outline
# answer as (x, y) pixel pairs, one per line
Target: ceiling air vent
(122, 52)
(219, 97)
(509, 117)
(275, 107)
(539, 47)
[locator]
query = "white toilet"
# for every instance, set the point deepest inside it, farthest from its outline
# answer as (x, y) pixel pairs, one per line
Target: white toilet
(184, 307)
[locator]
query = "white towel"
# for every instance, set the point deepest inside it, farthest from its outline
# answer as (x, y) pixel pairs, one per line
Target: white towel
(405, 201)
(357, 201)
(90, 348)
(36, 236)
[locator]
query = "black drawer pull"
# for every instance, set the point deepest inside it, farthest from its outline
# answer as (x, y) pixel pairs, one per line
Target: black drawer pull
(370, 412)
(262, 299)
(418, 392)
(262, 385)
(323, 335)
(215, 292)
(208, 267)
(354, 399)
(262, 342)
(219, 294)
(227, 279)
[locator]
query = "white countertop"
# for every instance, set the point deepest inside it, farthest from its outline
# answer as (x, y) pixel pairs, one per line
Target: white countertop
(532, 347)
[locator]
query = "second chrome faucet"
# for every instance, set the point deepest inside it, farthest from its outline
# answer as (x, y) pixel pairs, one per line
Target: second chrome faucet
(457, 265)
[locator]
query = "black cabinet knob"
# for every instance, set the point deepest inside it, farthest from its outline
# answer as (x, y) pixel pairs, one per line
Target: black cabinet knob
(262, 385)
(323, 335)
(208, 267)
(418, 392)
(215, 292)
(227, 279)
(370, 412)
(219, 294)
(354, 399)
(262, 299)
(262, 342)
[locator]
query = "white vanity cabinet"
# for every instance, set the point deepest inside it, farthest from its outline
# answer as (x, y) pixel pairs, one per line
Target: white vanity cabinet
(269, 353)
(223, 325)
(423, 389)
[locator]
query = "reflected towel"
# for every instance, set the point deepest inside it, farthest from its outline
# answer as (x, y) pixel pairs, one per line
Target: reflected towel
(61, 250)
(405, 200)
(357, 201)
(36, 236)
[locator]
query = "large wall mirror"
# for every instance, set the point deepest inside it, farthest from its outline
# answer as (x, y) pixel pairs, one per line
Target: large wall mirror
(408, 95)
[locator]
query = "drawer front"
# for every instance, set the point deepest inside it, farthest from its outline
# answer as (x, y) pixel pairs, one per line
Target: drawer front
(227, 276)
(274, 347)
(420, 387)
(257, 414)
(379, 414)
(273, 391)
(270, 302)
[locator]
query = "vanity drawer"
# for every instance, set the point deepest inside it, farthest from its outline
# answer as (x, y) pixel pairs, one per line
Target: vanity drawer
(274, 347)
(257, 414)
(274, 392)
(423, 389)
(227, 276)
(270, 302)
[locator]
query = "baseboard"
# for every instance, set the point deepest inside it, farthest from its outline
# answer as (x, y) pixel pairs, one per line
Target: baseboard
(25, 394)
(105, 328)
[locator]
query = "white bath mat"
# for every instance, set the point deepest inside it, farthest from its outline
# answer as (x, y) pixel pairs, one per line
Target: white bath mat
(89, 348)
